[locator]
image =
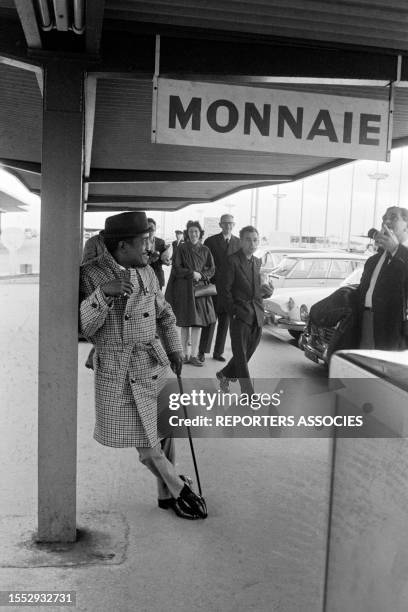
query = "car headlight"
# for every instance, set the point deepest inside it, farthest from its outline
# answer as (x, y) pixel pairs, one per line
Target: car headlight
(291, 303)
(304, 313)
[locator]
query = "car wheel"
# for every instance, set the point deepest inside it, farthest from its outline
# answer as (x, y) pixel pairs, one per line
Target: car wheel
(295, 334)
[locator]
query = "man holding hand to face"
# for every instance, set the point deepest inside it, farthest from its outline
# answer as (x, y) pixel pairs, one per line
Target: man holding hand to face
(123, 312)
(383, 290)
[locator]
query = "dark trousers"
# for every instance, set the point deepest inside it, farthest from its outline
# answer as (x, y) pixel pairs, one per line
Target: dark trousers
(244, 340)
(367, 331)
(207, 334)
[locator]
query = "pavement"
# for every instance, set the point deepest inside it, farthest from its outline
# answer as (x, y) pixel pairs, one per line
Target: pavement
(262, 547)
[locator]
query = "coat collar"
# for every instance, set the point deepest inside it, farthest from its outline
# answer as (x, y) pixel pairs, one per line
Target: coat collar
(244, 265)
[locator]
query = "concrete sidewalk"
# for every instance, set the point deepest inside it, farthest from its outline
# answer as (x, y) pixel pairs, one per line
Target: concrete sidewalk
(262, 547)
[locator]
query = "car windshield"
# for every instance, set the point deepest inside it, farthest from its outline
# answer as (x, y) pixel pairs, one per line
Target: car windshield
(285, 266)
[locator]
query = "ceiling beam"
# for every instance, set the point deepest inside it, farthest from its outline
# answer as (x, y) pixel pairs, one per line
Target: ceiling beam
(26, 13)
(131, 49)
(142, 206)
(90, 106)
(13, 47)
(15, 164)
(28, 19)
(120, 199)
(162, 176)
(94, 23)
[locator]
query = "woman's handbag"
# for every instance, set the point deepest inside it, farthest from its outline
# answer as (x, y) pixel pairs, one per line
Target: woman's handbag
(202, 289)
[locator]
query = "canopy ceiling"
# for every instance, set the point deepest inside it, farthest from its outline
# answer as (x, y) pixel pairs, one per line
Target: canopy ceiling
(351, 48)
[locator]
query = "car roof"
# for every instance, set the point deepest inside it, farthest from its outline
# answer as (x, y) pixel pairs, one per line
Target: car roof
(282, 249)
(328, 255)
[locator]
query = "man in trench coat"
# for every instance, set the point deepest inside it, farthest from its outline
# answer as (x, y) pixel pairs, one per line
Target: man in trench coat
(123, 312)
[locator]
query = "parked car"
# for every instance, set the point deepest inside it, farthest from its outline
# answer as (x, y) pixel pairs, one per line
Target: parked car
(318, 341)
(319, 269)
(289, 308)
(272, 256)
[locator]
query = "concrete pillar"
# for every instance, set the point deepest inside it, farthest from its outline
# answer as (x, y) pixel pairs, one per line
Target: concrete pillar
(61, 212)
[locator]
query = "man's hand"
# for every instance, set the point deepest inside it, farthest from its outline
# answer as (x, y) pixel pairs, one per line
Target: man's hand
(387, 240)
(176, 362)
(120, 287)
(267, 290)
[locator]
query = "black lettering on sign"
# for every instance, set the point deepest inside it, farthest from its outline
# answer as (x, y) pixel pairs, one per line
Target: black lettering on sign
(366, 129)
(347, 127)
(193, 112)
(285, 116)
(328, 130)
(232, 116)
(262, 122)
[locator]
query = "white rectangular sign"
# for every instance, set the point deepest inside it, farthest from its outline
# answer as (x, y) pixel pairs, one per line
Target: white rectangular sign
(276, 121)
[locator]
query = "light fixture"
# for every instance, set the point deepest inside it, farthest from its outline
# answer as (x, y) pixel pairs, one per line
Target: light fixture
(62, 15)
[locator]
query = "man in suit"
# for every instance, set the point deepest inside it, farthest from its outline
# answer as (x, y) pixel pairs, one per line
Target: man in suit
(221, 245)
(158, 253)
(241, 294)
(383, 290)
(176, 243)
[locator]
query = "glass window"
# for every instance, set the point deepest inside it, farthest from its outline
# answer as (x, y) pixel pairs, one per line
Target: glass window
(319, 268)
(302, 268)
(285, 266)
(357, 264)
(340, 268)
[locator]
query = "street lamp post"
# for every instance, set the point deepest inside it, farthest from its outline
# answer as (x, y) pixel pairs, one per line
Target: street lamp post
(301, 213)
(254, 207)
(376, 176)
(325, 241)
(163, 224)
(351, 208)
(400, 177)
(277, 196)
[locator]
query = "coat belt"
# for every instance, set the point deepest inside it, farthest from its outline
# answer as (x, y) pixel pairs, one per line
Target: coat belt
(153, 347)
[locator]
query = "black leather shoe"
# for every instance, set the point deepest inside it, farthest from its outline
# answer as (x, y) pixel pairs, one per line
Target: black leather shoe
(201, 357)
(219, 357)
(224, 382)
(179, 508)
(190, 500)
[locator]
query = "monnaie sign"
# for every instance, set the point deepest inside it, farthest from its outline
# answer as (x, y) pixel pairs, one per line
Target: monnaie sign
(272, 120)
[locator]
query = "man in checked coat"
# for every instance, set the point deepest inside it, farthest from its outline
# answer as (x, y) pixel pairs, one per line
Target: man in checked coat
(123, 312)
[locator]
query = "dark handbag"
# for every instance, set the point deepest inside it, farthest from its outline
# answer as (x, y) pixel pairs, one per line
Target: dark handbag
(202, 289)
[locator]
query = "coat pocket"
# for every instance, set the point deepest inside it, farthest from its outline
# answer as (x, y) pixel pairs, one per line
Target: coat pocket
(108, 362)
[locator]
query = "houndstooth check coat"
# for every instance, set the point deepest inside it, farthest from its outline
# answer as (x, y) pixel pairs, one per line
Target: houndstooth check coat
(130, 363)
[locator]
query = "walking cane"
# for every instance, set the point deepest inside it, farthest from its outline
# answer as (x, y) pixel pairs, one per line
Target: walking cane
(180, 384)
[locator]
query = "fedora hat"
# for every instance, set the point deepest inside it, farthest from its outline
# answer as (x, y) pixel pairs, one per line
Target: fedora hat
(126, 224)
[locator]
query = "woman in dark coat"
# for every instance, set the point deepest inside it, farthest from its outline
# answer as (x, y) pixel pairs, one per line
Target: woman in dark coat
(193, 263)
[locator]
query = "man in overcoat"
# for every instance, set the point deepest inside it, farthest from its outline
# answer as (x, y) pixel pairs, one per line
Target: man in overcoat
(158, 253)
(176, 243)
(241, 293)
(123, 312)
(383, 289)
(221, 246)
